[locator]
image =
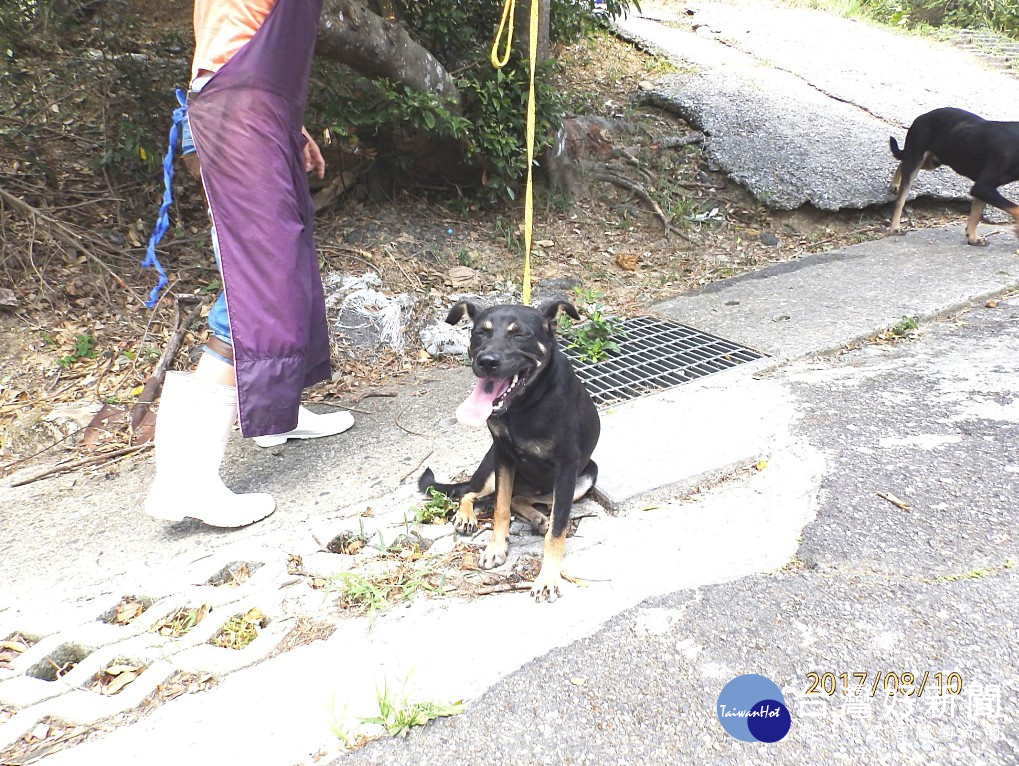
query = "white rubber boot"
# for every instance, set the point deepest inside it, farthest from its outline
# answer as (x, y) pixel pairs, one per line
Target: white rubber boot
(310, 425)
(195, 418)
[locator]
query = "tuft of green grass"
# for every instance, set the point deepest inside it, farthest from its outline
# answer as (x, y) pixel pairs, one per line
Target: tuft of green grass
(84, 348)
(438, 509)
(905, 327)
(594, 337)
(399, 717)
(379, 592)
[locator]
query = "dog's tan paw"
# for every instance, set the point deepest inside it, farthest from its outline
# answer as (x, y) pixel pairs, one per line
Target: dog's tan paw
(494, 554)
(977, 242)
(546, 587)
(540, 526)
(465, 521)
(465, 524)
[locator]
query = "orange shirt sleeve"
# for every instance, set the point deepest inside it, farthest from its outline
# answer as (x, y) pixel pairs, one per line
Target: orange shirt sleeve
(222, 27)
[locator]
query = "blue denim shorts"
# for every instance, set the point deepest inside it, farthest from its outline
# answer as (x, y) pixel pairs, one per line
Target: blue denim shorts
(219, 320)
(187, 144)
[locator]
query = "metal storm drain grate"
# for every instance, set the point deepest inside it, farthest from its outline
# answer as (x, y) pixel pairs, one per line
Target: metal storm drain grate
(656, 355)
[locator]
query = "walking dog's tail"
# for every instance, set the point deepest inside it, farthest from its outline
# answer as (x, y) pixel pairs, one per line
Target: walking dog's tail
(894, 145)
(427, 481)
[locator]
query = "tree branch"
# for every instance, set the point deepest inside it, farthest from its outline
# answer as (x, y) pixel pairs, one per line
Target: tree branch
(351, 34)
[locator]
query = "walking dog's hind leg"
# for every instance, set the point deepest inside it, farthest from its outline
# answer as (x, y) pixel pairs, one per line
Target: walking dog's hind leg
(525, 509)
(906, 176)
(976, 211)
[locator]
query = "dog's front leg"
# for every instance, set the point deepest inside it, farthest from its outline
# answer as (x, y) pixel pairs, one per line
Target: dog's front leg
(482, 484)
(465, 521)
(984, 191)
(546, 584)
(498, 544)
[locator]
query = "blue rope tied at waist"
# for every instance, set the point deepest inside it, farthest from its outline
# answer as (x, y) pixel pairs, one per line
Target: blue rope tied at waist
(163, 220)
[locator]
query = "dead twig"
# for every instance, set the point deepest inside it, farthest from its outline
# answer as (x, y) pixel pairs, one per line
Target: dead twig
(505, 587)
(641, 192)
(61, 232)
(375, 394)
(80, 463)
(410, 280)
(10, 466)
(415, 469)
(894, 500)
(404, 428)
(155, 381)
(346, 251)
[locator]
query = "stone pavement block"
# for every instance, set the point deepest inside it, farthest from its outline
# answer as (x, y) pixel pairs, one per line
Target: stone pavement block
(144, 649)
(329, 565)
(36, 621)
(89, 647)
(85, 707)
(15, 727)
(821, 303)
(98, 633)
(220, 661)
(25, 691)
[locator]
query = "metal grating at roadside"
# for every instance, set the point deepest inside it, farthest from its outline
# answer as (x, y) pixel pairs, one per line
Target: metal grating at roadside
(655, 355)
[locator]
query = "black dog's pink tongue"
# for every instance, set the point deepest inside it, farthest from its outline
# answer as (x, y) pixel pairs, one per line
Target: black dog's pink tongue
(478, 406)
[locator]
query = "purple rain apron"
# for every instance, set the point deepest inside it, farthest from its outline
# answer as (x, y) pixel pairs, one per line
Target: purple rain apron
(246, 124)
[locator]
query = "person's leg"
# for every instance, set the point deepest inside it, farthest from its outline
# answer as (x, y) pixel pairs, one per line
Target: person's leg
(216, 365)
(197, 412)
(194, 421)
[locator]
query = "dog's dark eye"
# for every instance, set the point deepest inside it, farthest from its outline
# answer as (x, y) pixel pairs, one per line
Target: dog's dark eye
(523, 334)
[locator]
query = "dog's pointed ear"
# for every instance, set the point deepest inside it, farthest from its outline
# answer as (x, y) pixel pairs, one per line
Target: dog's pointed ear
(460, 310)
(551, 310)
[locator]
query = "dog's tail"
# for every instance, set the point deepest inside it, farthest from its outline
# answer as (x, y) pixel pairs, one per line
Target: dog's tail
(427, 481)
(894, 145)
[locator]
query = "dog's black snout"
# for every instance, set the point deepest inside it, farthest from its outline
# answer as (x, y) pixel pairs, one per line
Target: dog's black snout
(489, 362)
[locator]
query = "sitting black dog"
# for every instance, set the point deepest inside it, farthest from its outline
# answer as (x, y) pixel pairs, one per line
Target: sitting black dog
(544, 428)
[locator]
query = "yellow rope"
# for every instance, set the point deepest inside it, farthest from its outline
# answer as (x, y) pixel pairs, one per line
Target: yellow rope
(506, 26)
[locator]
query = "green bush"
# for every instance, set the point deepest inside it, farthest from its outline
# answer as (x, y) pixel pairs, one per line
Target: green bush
(28, 22)
(999, 15)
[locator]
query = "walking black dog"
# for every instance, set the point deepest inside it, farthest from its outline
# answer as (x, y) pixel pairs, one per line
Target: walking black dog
(544, 428)
(984, 151)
